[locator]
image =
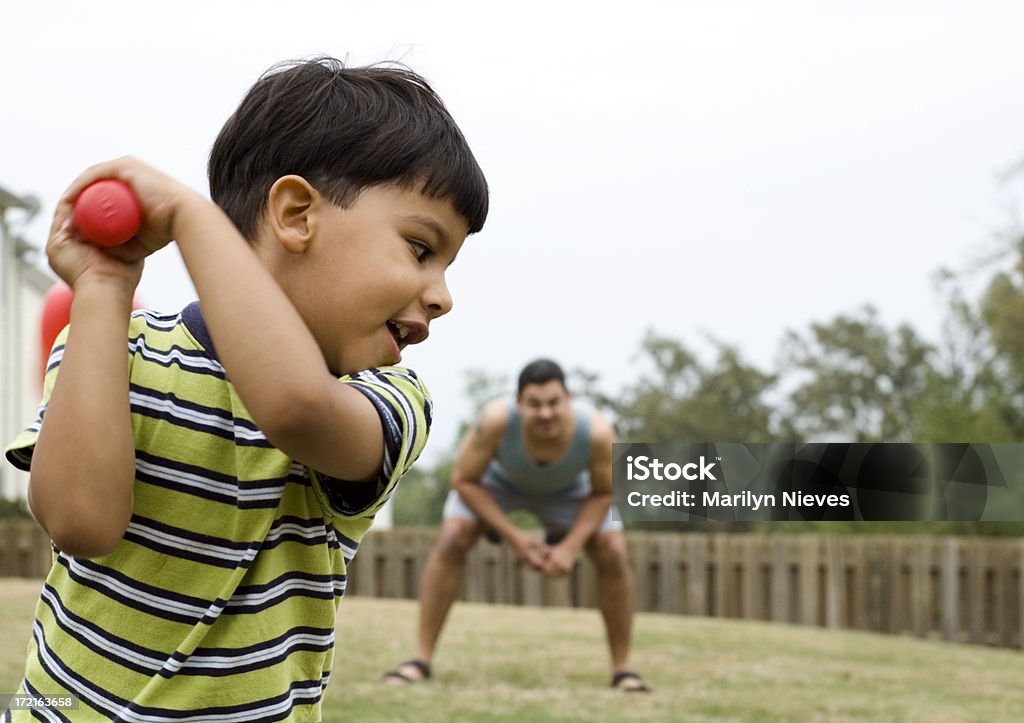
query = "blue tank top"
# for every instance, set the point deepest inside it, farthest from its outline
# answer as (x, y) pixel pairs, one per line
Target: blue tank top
(513, 468)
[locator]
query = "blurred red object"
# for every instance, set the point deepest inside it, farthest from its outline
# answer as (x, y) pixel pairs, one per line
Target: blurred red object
(56, 315)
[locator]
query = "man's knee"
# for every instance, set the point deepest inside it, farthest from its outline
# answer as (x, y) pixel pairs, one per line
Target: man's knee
(608, 551)
(456, 539)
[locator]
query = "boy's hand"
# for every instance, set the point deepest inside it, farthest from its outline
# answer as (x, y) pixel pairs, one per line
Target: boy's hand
(75, 260)
(160, 198)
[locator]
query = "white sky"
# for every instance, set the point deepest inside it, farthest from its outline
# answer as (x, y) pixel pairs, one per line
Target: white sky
(738, 168)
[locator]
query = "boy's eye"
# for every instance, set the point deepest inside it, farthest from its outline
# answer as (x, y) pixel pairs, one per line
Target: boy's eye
(419, 249)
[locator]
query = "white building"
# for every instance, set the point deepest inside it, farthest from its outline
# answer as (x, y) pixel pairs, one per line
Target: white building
(22, 287)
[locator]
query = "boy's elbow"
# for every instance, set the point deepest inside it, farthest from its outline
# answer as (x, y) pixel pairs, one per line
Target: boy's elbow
(80, 539)
(79, 532)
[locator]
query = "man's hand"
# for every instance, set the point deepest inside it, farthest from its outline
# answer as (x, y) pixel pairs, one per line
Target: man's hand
(530, 550)
(560, 560)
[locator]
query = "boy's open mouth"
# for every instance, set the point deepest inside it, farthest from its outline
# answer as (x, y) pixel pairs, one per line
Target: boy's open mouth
(407, 332)
(399, 332)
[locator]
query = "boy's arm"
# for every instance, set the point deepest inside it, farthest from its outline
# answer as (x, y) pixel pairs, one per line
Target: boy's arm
(476, 452)
(83, 463)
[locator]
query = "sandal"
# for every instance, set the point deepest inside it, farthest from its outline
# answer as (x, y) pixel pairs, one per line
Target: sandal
(623, 675)
(398, 676)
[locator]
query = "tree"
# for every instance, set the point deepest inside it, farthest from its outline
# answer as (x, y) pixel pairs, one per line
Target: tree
(976, 387)
(681, 398)
(855, 379)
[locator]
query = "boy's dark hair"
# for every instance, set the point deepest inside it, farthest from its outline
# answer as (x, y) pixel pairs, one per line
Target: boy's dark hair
(540, 371)
(343, 130)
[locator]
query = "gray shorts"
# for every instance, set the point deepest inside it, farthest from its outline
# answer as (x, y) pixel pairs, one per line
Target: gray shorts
(556, 512)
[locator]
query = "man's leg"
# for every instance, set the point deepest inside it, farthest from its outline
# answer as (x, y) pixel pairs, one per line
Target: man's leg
(442, 576)
(615, 596)
(439, 585)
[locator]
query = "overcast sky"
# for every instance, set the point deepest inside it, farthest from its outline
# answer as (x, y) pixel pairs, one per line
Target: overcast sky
(732, 168)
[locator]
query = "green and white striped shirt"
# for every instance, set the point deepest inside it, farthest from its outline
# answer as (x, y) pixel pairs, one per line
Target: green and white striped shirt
(219, 604)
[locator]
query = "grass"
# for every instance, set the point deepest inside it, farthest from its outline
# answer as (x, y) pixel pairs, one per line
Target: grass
(500, 663)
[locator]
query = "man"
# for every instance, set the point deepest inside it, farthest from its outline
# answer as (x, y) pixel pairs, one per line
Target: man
(551, 456)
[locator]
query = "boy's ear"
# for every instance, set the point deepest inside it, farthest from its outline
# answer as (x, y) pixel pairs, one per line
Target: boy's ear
(289, 205)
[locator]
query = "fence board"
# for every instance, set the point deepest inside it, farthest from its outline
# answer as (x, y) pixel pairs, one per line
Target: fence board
(697, 588)
(25, 549)
(780, 580)
(950, 598)
(808, 580)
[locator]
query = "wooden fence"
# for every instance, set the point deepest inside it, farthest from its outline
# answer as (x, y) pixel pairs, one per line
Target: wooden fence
(24, 549)
(961, 589)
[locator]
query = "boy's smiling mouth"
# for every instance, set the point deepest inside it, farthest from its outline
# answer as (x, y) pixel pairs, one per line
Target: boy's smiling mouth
(407, 332)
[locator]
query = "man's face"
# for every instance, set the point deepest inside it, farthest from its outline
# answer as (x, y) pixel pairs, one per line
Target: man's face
(544, 409)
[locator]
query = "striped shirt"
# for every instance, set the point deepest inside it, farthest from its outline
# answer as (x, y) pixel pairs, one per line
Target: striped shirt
(219, 603)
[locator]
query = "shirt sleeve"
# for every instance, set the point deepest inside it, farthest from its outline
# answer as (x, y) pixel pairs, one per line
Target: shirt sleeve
(404, 406)
(19, 451)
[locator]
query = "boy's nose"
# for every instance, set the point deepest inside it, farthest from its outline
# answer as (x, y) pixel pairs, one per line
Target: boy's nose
(437, 298)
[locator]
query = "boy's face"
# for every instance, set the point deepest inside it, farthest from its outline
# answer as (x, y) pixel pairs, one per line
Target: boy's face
(373, 276)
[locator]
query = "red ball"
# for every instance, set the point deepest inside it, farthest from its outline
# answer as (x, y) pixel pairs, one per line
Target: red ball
(107, 212)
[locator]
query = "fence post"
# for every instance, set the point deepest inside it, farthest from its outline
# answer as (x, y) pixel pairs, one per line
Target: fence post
(834, 578)
(780, 580)
(808, 581)
(697, 574)
(668, 572)
(977, 573)
(950, 571)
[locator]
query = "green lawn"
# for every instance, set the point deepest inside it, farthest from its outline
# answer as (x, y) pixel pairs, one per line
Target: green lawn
(502, 663)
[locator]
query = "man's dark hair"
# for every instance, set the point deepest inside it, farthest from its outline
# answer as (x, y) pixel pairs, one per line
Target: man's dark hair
(343, 130)
(540, 371)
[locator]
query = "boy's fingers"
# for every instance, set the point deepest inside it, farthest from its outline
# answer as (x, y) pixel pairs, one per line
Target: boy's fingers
(62, 216)
(118, 168)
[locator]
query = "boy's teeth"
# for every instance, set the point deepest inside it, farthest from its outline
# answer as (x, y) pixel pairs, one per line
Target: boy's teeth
(403, 331)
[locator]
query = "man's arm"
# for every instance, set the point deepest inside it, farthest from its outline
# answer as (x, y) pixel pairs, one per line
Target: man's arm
(594, 508)
(476, 451)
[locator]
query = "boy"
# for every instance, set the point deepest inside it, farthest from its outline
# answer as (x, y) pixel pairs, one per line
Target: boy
(205, 492)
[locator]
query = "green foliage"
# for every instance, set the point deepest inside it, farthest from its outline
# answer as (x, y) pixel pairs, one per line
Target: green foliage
(859, 381)
(681, 398)
(420, 497)
(14, 509)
